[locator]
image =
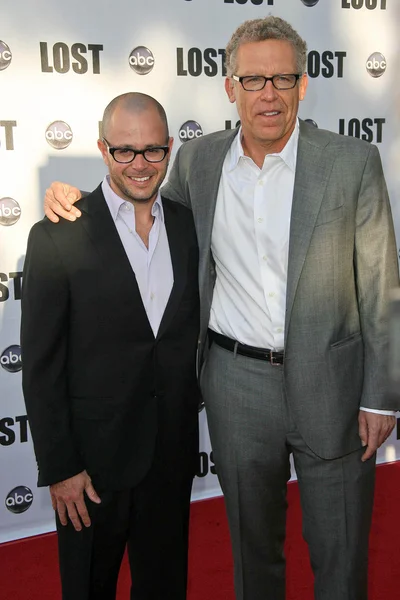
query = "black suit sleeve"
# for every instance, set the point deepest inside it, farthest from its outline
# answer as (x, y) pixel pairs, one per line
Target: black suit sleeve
(44, 342)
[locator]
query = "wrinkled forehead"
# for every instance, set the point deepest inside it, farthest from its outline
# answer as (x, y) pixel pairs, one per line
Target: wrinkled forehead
(266, 57)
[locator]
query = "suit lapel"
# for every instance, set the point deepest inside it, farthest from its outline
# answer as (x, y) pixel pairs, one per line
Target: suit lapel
(179, 259)
(104, 235)
(314, 164)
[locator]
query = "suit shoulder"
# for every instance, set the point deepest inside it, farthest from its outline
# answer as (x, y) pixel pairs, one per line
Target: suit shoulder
(64, 224)
(325, 137)
(203, 143)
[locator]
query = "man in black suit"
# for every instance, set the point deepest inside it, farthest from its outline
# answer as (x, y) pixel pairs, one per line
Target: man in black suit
(110, 319)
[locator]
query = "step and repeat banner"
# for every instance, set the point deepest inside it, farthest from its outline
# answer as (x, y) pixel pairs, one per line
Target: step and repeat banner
(60, 65)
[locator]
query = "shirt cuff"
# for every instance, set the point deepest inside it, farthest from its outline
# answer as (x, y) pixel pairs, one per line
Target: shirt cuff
(389, 413)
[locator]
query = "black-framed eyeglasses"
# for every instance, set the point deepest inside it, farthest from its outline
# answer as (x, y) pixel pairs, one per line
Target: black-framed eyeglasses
(255, 83)
(154, 154)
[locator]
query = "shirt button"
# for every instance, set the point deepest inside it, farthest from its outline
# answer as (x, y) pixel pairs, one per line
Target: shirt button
(279, 330)
(152, 296)
(265, 257)
(260, 220)
(271, 295)
(261, 182)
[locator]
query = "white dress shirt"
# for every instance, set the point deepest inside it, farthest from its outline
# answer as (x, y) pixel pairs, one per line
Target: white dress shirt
(152, 266)
(250, 245)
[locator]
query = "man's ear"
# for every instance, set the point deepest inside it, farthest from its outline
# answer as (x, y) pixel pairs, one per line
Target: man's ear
(303, 86)
(103, 149)
(230, 89)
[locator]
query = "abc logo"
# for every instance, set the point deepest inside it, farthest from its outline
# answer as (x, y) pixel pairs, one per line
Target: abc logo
(311, 122)
(376, 64)
(59, 135)
(141, 60)
(10, 211)
(5, 56)
(10, 359)
(189, 131)
(19, 499)
(310, 2)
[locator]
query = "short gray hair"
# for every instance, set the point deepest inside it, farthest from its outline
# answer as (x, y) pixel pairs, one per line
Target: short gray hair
(259, 30)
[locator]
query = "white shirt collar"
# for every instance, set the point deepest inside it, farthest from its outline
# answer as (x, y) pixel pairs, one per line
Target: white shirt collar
(114, 202)
(288, 154)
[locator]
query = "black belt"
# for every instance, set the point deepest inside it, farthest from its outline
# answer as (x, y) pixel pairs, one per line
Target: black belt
(275, 358)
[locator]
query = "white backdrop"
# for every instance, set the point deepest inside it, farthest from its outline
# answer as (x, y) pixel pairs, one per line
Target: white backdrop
(60, 65)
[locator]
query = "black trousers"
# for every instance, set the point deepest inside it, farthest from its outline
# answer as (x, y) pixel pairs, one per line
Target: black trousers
(152, 521)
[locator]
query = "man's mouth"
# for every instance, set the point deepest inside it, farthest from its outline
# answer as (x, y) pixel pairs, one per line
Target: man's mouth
(140, 179)
(271, 113)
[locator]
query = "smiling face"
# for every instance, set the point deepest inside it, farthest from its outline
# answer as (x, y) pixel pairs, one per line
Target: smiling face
(268, 116)
(139, 180)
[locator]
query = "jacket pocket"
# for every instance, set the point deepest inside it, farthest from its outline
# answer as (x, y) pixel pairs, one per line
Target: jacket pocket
(327, 216)
(354, 337)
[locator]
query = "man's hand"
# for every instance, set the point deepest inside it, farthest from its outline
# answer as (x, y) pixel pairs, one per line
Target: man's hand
(373, 430)
(67, 497)
(59, 199)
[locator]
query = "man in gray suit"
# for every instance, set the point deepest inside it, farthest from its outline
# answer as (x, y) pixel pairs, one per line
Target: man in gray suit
(297, 256)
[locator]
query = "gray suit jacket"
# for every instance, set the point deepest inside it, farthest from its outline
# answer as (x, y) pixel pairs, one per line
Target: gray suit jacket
(342, 264)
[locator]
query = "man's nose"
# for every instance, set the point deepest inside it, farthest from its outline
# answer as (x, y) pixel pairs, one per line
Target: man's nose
(139, 162)
(269, 91)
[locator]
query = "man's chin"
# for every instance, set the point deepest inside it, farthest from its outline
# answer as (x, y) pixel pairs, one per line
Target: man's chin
(143, 198)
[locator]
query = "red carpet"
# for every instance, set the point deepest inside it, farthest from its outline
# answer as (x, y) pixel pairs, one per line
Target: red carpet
(28, 568)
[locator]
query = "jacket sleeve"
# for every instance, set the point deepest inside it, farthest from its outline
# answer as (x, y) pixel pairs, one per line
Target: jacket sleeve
(44, 343)
(377, 273)
(176, 187)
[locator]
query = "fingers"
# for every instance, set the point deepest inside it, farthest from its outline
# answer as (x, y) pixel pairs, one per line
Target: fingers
(67, 497)
(91, 493)
(62, 512)
(53, 501)
(75, 510)
(374, 429)
(370, 451)
(78, 514)
(363, 428)
(58, 202)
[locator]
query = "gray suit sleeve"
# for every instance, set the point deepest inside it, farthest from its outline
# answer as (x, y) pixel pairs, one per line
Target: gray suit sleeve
(377, 273)
(176, 187)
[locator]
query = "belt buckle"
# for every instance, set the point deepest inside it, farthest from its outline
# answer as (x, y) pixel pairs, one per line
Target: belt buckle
(273, 358)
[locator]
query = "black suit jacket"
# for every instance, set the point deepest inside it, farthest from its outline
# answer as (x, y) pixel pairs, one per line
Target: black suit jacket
(99, 388)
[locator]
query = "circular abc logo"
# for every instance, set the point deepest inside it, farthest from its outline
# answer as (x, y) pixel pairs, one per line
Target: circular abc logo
(59, 135)
(5, 56)
(10, 359)
(10, 211)
(19, 499)
(141, 60)
(190, 131)
(310, 2)
(311, 122)
(376, 64)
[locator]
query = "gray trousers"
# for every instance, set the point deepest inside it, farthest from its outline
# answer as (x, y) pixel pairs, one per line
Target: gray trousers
(252, 435)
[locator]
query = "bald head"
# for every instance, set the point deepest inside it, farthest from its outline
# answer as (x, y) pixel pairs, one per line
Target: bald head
(134, 103)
